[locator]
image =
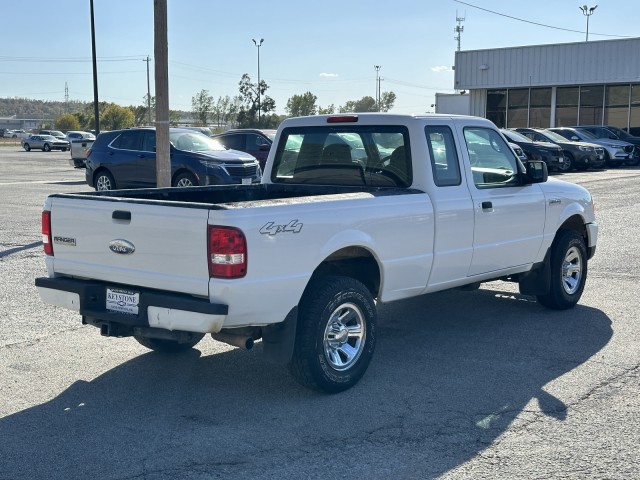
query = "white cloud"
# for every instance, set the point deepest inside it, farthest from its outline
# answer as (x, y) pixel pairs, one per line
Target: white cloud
(328, 74)
(440, 68)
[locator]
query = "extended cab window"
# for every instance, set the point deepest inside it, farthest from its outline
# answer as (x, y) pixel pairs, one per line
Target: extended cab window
(344, 155)
(444, 159)
(493, 163)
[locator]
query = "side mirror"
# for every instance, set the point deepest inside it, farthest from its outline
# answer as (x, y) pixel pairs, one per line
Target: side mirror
(535, 172)
(264, 147)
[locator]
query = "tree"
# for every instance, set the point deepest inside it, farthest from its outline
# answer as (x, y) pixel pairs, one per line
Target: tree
(248, 112)
(327, 111)
(387, 99)
(302, 105)
(202, 106)
(365, 104)
(225, 110)
(115, 117)
(67, 121)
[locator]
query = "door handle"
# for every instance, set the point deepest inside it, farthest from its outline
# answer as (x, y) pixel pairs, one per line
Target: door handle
(486, 205)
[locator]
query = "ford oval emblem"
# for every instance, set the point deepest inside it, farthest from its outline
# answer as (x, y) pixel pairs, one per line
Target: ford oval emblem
(122, 247)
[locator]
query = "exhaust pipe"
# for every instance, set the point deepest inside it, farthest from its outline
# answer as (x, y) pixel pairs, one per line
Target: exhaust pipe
(241, 341)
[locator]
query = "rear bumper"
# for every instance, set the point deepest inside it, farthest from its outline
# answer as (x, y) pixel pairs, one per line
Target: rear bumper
(156, 308)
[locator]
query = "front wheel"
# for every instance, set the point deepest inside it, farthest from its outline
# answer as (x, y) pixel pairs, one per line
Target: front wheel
(27, 147)
(168, 346)
(185, 179)
(336, 334)
(46, 148)
(568, 162)
(568, 270)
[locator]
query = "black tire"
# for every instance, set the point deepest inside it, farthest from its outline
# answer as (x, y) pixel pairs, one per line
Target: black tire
(46, 147)
(336, 334)
(568, 163)
(185, 179)
(635, 159)
(104, 181)
(168, 346)
(568, 270)
(27, 147)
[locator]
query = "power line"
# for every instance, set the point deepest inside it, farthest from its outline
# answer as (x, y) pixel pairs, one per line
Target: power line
(536, 23)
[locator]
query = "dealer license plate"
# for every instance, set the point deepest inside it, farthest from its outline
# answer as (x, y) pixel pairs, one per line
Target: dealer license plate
(122, 301)
(246, 181)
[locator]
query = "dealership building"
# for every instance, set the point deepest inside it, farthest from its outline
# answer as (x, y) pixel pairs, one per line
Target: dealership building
(549, 85)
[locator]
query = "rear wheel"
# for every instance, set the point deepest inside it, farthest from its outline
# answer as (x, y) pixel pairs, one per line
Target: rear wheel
(46, 148)
(168, 346)
(104, 181)
(27, 147)
(336, 334)
(568, 270)
(185, 179)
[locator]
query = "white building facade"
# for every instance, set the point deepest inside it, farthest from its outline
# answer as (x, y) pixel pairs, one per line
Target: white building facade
(554, 85)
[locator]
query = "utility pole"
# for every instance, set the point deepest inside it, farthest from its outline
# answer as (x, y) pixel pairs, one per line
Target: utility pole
(148, 90)
(96, 109)
(377, 67)
(458, 29)
(258, 44)
(160, 54)
(66, 98)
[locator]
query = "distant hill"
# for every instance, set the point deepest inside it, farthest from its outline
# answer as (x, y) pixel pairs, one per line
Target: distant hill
(28, 108)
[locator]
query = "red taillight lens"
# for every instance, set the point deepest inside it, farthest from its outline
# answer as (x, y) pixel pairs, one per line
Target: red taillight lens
(88, 153)
(343, 119)
(227, 252)
(46, 233)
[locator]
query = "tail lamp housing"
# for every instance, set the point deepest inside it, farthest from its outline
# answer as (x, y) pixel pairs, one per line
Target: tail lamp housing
(227, 252)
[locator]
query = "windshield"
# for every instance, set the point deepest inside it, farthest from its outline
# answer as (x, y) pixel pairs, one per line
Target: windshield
(194, 142)
(553, 136)
(619, 132)
(587, 134)
(515, 136)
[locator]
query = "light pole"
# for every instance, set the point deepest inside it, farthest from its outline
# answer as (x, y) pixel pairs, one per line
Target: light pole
(258, 44)
(377, 67)
(587, 12)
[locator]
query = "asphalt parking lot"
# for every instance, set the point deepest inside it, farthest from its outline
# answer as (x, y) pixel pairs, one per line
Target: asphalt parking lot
(464, 385)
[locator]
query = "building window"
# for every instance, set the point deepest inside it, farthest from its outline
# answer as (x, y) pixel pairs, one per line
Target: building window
(540, 108)
(518, 113)
(616, 109)
(497, 107)
(591, 101)
(567, 106)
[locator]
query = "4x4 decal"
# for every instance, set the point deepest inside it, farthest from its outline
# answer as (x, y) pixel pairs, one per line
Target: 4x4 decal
(272, 229)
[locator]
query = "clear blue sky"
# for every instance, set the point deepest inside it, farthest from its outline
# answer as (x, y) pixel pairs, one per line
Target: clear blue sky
(327, 47)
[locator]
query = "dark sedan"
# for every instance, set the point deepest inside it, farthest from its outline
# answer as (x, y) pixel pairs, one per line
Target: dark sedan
(549, 153)
(127, 159)
(578, 155)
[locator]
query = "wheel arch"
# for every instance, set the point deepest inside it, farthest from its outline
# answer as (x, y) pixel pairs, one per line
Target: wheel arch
(182, 170)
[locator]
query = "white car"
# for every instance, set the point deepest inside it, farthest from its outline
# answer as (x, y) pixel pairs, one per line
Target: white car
(79, 135)
(16, 134)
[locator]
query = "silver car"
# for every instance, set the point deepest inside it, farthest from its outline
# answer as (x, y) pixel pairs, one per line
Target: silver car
(46, 143)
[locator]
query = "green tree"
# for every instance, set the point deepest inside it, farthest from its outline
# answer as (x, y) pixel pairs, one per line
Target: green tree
(387, 99)
(202, 107)
(115, 117)
(225, 109)
(328, 110)
(174, 118)
(302, 105)
(67, 121)
(248, 111)
(365, 104)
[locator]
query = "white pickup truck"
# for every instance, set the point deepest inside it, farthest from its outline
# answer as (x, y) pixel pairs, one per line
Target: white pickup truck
(353, 210)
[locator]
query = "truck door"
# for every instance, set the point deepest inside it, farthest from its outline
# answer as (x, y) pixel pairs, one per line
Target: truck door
(509, 217)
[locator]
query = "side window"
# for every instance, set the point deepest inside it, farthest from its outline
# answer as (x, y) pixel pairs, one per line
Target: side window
(493, 163)
(234, 142)
(444, 158)
(128, 141)
(254, 141)
(149, 141)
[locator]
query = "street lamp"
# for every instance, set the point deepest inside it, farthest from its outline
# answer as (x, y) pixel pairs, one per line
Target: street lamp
(258, 44)
(587, 12)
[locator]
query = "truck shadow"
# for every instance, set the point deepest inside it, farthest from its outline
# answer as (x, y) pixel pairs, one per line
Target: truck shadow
(452, 372)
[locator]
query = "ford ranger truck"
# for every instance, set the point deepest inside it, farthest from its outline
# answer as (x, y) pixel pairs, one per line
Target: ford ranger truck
(353, 211)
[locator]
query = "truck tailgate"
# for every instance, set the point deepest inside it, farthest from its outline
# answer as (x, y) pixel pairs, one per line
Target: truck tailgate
(154, 246)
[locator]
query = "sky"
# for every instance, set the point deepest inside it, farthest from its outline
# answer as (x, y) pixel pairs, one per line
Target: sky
(329, 47)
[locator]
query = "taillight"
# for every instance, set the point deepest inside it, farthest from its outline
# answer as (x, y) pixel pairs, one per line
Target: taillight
(88, 153)
(47, 242)
(227, 249)
(343, 119)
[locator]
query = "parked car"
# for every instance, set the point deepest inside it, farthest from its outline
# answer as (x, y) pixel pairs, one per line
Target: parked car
(254, 141)
(127, 159)
(519, 152)
(54, 133)
(548, 152)
(578, 155)
(616, 152)
(204, 130)
(19, 134)
(79, 135)
(46, 143)
(615, 133)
